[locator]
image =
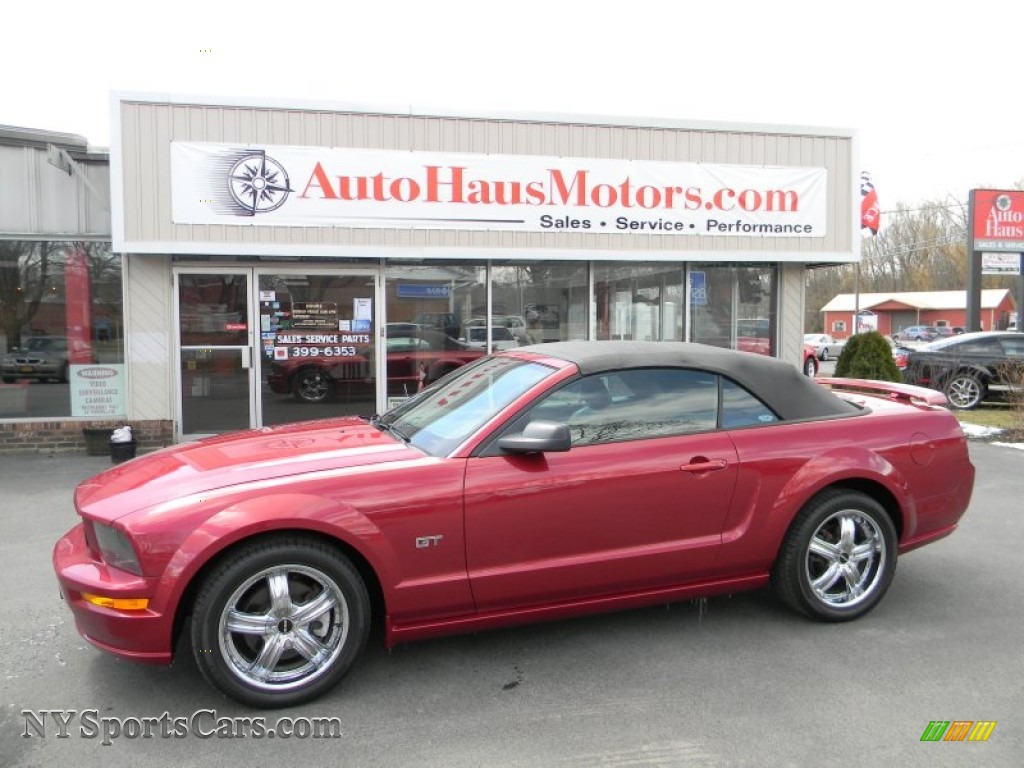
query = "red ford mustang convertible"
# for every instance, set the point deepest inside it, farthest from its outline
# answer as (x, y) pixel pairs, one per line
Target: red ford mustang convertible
(539, 483)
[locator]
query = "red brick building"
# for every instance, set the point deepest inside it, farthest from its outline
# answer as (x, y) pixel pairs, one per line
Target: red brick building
(889, 313)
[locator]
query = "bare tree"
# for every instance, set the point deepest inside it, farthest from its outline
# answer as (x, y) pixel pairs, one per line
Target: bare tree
(25, 269)
(917, 249)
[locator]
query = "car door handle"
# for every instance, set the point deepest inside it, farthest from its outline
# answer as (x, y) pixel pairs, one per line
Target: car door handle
(701, 464)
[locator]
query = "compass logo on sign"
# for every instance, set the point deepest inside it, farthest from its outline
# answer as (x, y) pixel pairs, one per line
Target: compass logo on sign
(258, 183)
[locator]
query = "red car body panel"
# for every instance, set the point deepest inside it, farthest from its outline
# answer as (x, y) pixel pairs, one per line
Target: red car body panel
(730, 496)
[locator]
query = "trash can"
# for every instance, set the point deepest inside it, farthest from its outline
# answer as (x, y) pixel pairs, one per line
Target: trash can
(122, 445)
(122, 451)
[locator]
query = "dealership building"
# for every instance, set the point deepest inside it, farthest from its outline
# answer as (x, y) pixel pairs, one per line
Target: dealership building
(231, 264)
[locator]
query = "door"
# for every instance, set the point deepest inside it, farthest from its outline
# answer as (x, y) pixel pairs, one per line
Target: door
(214, 351)
(634, 504)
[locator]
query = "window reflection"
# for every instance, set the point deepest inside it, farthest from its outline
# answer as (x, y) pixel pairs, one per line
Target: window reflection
(60, 307)
(541, 301)
(734, 307)
(639, 302)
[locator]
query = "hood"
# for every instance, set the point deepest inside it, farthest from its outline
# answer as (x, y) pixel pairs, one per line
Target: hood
(236, 458)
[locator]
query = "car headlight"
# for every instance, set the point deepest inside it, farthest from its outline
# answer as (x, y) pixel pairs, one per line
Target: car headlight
(115, 549)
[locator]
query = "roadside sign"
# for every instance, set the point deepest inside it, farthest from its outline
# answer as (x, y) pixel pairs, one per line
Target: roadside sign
(1001, 263)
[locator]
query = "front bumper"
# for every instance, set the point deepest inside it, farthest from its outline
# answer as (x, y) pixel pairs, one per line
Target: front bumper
(144, 635)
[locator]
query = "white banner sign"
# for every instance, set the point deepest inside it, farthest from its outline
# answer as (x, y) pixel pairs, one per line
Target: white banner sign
(1000, 263)
(319, 186)
(97, 390)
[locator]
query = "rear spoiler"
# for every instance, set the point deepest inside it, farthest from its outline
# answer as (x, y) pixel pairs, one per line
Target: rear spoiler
(906, 393)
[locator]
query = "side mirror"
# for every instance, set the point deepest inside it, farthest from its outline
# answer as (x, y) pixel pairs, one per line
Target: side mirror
(538, 437)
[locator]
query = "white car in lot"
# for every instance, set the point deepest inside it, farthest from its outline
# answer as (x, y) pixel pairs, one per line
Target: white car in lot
(826, 347)
(501, 337)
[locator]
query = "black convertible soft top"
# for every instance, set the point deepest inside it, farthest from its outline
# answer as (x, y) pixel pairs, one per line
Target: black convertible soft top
(780, 385)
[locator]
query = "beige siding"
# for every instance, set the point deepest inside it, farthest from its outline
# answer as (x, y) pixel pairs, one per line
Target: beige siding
(791, 312)
(148, 128)
(148, 347)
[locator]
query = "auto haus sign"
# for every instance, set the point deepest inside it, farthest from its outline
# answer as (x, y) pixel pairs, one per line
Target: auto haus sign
(317, 186)
(998, 220)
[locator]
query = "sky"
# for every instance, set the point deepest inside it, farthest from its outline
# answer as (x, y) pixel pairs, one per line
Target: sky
(933, 90)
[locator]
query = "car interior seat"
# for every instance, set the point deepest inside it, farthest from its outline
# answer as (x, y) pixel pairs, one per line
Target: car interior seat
(595, 396)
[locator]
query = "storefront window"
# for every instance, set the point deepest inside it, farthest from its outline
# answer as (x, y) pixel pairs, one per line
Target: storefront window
(317, 343)
(734, 307)
(539, 301)
(430, 311)
(639, 302)
(61, 330)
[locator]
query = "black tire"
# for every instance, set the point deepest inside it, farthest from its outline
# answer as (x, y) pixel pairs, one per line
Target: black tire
(964, 390)
(63, 378)
(309, 633)
(312, 385)
(810, 366)
(838, 557)
(824, 355)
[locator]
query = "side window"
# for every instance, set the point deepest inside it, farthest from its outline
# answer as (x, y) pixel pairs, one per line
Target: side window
(1013, 347)
(978, 347)
(633, 405)
(742, 409)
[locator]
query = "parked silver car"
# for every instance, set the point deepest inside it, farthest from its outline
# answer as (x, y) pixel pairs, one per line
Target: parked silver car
(825, 346)
(40, 357)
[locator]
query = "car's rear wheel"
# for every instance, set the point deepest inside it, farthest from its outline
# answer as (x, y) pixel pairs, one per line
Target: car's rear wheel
(810, 366)
(312, 385)
(280, 622)
(838, 557)
(824, 354)
(965, 391)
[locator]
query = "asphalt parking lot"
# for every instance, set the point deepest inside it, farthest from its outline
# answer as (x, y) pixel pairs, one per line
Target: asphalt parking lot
(735, 681)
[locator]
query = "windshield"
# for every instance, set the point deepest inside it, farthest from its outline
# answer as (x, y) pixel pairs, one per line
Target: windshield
(44, 344)
(441, 417)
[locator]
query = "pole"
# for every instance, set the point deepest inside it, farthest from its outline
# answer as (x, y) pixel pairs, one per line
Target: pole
(856, 294)
(973, 319)
(1020, 296)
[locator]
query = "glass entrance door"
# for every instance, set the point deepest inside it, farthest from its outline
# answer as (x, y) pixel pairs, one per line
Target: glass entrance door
(317, 345)
(215, 352)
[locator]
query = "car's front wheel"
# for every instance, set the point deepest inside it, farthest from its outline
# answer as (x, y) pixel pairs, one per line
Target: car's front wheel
(965, 391)
(280, 622)
(824, 354)
(838, 557)
(312, 385)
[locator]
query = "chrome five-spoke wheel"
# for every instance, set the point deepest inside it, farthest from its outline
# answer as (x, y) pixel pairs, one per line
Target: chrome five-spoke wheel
(283, 627)
(845, 559)
(280, 621)
(838, 557)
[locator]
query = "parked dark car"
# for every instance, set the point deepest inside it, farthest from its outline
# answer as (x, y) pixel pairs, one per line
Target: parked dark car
(970, 367)
(540, 483)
